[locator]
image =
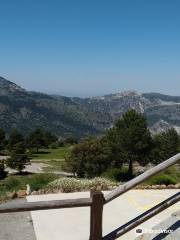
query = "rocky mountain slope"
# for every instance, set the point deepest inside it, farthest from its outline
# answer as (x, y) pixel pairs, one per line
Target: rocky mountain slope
(162, 111)
(28, 110)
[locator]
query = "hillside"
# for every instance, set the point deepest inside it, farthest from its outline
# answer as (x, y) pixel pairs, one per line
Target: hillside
(162, 111)
(28, 110)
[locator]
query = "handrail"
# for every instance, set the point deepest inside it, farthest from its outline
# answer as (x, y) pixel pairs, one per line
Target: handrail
(143, 217)
(45, 205)
(141, 178)
(97, 201)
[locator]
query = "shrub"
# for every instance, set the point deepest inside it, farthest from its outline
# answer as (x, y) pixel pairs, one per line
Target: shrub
(36, 182)
(174, 172)
(117, 174)
(88, 159)
(54, 145)
(71, 140)
(169, 176)
(61, 143)
(11, 183)
(162, 179)
(77, 185)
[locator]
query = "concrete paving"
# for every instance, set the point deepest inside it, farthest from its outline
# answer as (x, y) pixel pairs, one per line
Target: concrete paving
(73, 224)
(16, 226)
(168, 229)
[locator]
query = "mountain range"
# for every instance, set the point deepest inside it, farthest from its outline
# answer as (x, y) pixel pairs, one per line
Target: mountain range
(26, 110)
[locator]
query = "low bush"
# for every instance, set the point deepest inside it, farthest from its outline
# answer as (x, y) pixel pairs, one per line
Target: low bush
(78, 185)
(61, 143)
(162, 179)
(15, 183)
(174, 172)
(54, 145)
(169, 176)
(11, 183)
(117, 174)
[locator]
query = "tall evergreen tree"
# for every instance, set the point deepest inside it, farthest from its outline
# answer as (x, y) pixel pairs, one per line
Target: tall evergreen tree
(18, 158)
(49, 138)
(130, 140)
(37, 139)
(14, 139)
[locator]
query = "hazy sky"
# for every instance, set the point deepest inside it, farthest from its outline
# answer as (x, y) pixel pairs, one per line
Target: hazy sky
(91, 47)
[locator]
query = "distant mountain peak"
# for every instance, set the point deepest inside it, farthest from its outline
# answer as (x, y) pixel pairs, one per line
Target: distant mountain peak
(130, 93)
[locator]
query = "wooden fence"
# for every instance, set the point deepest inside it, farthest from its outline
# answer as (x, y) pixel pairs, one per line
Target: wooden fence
(97, 201)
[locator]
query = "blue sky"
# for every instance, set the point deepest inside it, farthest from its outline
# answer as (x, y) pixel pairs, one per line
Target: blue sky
(91, 47)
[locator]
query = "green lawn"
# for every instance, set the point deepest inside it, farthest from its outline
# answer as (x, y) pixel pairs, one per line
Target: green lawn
(54, 165)
(53, 157)
(51, 154)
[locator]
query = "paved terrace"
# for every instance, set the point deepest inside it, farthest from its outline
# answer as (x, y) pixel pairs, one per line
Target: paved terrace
(73, 223)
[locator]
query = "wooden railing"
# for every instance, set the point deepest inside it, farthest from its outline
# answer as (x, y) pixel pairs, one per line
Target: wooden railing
(97, 201)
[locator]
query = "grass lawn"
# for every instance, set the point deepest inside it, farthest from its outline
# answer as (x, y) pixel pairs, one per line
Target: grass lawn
(54, 165)
(51, 154)
(53, 157)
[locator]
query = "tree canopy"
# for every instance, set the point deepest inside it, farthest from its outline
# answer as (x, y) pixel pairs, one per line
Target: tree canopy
(37, 140)
(130, 140)
(165, 145)
(89, 158)
(18, 158)
(40, 139)
(15, 138)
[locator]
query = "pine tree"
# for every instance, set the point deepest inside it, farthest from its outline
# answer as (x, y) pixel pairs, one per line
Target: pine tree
(166, 145)
(37, 139)
(130, 140)
(14, 139)
(18, 158)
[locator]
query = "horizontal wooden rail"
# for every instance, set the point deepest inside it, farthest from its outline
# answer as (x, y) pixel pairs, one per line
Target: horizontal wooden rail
(141, 178)
(97, 201)
(143, 217)
(45, 205)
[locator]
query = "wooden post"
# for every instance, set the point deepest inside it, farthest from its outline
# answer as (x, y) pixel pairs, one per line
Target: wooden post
(96, 215)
